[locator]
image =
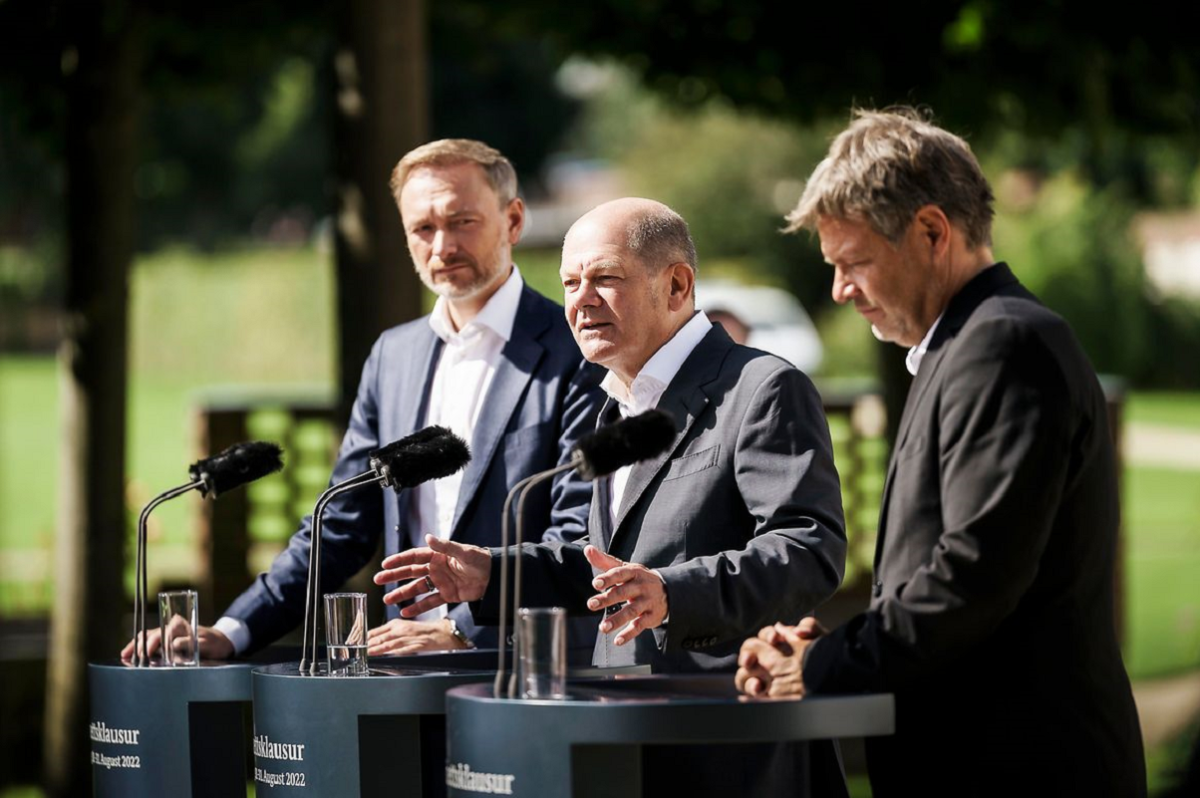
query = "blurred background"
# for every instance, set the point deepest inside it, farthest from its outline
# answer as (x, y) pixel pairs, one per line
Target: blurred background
(197, 246)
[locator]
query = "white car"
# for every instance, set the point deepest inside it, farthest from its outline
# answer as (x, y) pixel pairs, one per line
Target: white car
(765, 318)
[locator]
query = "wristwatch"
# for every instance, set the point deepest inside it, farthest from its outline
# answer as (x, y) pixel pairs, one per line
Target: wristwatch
(459, 634)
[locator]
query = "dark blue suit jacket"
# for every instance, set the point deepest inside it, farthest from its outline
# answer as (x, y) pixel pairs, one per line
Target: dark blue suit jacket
(543, 397)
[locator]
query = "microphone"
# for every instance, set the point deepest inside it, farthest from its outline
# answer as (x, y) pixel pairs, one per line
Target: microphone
(626, 442)
(219, 474)
(429, 453)
(234, 467)
(594, 455)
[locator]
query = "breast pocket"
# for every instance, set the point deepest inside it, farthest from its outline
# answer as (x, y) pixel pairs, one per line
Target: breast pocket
(694, 463)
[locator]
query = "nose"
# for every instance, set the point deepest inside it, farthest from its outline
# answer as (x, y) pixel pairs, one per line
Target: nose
(443, 244)
(587, 295)
(844, 289)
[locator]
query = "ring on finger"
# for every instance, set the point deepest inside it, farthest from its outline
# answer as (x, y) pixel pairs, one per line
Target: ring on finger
(429, 586)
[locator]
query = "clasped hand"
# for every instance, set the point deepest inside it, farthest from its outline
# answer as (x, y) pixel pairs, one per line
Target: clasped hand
(771, 664)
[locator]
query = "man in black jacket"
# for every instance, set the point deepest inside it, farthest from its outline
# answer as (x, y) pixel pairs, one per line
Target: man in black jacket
(992, 611)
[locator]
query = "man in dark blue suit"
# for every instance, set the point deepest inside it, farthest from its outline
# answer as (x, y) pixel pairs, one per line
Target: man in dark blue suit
(495, 362)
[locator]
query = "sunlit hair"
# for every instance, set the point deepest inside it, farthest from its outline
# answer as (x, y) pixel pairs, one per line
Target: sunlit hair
(450, 152)
(659, 237)
(886, 166)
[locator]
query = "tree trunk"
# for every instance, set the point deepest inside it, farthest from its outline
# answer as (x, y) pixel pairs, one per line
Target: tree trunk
(381, 113)
(89, 597)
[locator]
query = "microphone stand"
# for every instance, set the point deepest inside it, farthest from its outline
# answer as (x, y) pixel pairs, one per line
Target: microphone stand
(313, 588)
(523, 487)
(140, 658)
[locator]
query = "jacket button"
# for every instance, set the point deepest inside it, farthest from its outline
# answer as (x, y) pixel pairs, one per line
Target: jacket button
(397, 529)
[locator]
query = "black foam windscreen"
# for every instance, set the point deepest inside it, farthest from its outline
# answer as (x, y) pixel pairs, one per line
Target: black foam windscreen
(237, 465)
(624, 443)
(430, 453)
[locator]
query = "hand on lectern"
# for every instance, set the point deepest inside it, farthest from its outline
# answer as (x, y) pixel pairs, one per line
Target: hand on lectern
(447, 572)
(401, 636)
(771, 664)
(213, 644)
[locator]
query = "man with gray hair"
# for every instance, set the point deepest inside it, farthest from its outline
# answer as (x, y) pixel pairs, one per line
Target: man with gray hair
(991, 618)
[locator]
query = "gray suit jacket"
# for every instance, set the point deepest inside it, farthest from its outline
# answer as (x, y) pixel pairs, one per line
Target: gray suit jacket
(742, 515)
(992, 619)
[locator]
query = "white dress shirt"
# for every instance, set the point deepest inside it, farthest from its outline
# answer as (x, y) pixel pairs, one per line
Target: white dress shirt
(912, 361)
(461, 380)
(648, 387)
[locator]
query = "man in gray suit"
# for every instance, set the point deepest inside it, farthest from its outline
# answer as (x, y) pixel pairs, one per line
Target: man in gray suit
(991, 618)
(737, 523)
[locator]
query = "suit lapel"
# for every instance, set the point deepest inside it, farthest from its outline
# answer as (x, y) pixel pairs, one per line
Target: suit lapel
(685, 400)
(413, 407)
(983, 285)
(518, 361)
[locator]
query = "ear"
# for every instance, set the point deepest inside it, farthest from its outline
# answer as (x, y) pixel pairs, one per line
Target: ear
(514, 216)
(682, 286)
(934, 228)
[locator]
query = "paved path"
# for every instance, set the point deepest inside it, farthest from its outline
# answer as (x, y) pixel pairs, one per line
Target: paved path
(1163, 446)
(1166, 707)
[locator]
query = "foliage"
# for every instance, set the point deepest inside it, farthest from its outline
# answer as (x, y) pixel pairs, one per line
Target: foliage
(732, 175)
(1070, 245)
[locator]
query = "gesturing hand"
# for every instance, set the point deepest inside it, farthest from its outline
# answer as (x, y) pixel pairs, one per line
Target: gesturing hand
(642, 591)
(772, 663)
(453, 571)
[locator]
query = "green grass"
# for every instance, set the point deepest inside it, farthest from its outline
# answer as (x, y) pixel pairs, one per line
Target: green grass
(1168, 409)
(1162, 571)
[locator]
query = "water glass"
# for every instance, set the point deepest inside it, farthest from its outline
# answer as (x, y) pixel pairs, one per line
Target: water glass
(542, 667)
(346, 633)
(177, 611)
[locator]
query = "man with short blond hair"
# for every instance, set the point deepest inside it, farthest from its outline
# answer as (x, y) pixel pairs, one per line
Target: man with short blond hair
(991, 617)
(495, 363)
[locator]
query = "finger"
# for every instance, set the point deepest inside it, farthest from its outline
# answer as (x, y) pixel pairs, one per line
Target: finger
(383, 632)
(600, 560)
(407, 591)
(619, 575)
(748, 656)
(447, 547)
(620, 618)
(431, 602)
(790, 638)
(631, 630)
(416, 556)
(755, 686)
(810, 628)
(769, 635)
(401, 573)
(745, 677)
(614, 596)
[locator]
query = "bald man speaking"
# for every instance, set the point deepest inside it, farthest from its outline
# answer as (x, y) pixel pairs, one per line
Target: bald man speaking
(738, 521)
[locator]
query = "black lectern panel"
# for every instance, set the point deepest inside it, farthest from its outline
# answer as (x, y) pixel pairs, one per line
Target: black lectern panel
(168, 731)
(603, 731)
(341, 736)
